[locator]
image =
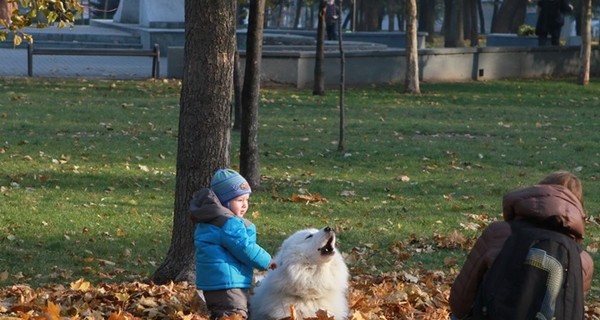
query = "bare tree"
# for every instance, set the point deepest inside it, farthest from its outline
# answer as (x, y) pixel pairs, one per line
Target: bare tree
(411, 79)
(341, 141)
(204, 122)
(249, 158)
(586, 42)
(319, 77)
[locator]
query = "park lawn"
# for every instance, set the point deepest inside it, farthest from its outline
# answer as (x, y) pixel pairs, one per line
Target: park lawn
(87, 170)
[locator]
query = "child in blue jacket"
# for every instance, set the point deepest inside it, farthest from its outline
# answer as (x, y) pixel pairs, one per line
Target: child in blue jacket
(226, 248)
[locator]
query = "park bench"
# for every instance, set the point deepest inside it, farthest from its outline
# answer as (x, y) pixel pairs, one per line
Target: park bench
(154, 53)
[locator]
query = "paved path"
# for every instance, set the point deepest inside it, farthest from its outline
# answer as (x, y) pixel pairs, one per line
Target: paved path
(13, 63)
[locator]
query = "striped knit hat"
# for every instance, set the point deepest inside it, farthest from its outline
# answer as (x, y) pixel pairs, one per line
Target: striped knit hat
(227, 184)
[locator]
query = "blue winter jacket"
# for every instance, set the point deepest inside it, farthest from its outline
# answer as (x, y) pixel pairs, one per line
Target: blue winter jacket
(226, 248)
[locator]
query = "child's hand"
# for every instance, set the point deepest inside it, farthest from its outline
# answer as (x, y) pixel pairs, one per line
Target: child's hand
(272, 265)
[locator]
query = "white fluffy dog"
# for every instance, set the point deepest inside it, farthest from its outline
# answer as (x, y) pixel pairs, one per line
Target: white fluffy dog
(310, 275)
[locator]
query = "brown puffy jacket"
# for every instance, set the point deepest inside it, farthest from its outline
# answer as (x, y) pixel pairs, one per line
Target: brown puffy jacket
(537, 203)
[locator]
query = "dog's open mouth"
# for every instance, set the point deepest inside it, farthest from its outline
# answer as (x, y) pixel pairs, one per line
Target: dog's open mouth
(328, 248)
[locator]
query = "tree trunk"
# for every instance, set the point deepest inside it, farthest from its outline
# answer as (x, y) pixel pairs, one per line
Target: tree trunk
(341, 141)
(6, 10)
(370, 13)
(510, 16)
(249, 159)
(586, 42)
(358, 16)
(312, 18)
(237, 82)
(349, 18)
(447, 18)
(481, 17)
(204, 122)
(319, 82)
(400, 18)
(237, 92)
(495, 11)
(427, 15)
(299, 5)
(466, 16)
(454, 35)
(411, 79)
(279, 17)
(392, 10)
(472, 13)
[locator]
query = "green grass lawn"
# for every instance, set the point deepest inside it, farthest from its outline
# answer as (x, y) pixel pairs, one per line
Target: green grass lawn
(87, 170)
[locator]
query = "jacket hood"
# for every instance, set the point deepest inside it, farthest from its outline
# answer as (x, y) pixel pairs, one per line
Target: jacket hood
(541, 202)
(206, 208)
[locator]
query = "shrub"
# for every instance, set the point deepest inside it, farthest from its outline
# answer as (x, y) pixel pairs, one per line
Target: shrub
(526, 30)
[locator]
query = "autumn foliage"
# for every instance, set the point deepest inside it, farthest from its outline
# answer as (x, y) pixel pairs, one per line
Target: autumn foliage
(384, 297)
(420, 294)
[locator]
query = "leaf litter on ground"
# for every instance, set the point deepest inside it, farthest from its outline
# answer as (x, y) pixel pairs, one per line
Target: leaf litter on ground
(412, 294)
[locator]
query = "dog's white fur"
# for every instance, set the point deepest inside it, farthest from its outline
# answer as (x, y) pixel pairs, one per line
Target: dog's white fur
(311, 275)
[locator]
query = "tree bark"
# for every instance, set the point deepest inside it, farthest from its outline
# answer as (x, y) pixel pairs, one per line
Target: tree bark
(586, 42)
(237, 93)
(6, 10)
(341, 141)
(481, 17)
(319, 76)
(204, 122)
(472, 30)
(427, 16)
(447, 18)
(249, 158)
(510, 16)
(454, 35)
(299, 5)
(401, 19)
(370, 10)
(349, 18)
(495, 11)
(411, 79)
(391, 11)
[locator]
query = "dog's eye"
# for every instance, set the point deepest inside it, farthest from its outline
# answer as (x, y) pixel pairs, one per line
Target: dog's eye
(308, 236)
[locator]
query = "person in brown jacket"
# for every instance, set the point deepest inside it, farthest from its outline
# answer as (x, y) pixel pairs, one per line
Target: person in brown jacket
(557, 198)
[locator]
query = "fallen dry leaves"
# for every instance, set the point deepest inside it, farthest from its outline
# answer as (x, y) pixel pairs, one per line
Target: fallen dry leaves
(418, 294)
(82, 300)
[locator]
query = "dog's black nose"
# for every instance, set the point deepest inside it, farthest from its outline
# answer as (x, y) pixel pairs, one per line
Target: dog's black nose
(327, 229)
